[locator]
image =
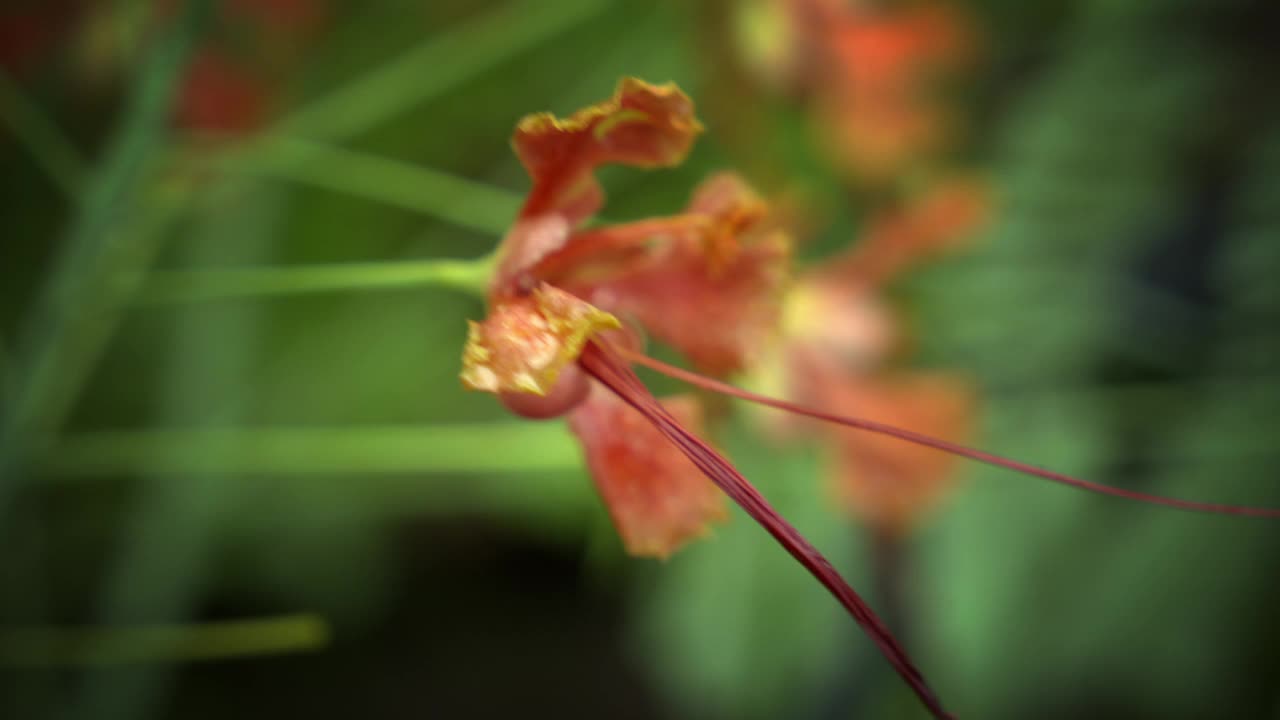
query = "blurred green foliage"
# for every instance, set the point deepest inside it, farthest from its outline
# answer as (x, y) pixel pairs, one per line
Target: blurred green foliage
(231, 384)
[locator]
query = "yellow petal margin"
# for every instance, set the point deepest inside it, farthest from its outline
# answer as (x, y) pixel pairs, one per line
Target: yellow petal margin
(525, 342)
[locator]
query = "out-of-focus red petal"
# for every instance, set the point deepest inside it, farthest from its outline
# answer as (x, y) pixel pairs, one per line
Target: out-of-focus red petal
(657, 497)
(525, 342)
(642, 124)
(708, 282)
(218, 96)
(888, 52)
(887, 482)
(832, 331)
(828, 319)
(874, 140)
(938, 220)
(875, 80)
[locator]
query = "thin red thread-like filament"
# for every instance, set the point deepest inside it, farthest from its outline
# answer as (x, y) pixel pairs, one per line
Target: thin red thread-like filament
(604, 364)
(941, 445)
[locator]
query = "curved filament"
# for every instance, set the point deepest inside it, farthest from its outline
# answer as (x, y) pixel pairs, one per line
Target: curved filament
(942, 445)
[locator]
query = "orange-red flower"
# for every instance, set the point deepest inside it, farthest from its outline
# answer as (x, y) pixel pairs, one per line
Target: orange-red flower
(703, 281)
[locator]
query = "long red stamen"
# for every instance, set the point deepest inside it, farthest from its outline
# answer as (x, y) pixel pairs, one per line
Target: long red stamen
(942, 445)
(605, 365)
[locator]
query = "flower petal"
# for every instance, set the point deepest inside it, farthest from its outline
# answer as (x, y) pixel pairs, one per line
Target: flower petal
(220, 97)
(657, 497)
(881, 479)
(930, 224)
(642, 124)
(709, 281)
(877, 83)
(526, 341)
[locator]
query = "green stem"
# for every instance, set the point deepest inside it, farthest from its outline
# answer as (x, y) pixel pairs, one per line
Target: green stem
(468, 448)
(194, 285)
(423, 73)
(438, 65)
(465, 203)
(77, 309)
(62, 646)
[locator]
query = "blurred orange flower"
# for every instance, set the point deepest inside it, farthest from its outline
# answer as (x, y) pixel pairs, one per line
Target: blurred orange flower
(873, 73)
(840, 336)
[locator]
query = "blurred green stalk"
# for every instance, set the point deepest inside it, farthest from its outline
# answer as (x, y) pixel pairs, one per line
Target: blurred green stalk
(480, 447)
(438, 65)
(79, 308)
(169, 286)
(101, 259)
(463, 202)
(59, 646)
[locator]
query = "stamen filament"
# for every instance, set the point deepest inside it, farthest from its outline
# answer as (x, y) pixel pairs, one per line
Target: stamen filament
(603, 362)
(941, 445)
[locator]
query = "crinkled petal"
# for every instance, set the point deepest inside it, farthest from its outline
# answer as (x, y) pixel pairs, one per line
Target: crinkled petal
(708, 282)
(526, 341)
(642, 124)
(885, 481)
(657, 497)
